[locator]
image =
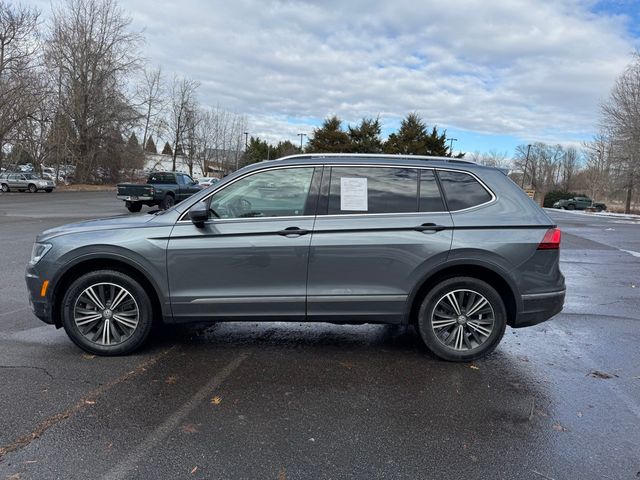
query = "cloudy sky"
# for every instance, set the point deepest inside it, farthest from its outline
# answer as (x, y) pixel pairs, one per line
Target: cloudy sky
(494, 73)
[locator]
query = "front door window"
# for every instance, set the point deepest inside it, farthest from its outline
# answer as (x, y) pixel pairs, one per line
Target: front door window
(274, 193)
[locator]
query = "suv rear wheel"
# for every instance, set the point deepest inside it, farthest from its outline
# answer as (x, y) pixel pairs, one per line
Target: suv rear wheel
(107, 313)
(462, 319)
(5, 187)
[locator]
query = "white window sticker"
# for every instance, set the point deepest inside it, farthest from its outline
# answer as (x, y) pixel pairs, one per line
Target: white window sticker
(353, 194)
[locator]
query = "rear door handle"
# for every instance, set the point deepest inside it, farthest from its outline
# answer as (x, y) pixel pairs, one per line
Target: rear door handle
(429, 227)
(293, 231)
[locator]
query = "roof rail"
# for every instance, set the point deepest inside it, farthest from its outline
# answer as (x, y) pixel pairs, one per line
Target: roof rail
(377, 155)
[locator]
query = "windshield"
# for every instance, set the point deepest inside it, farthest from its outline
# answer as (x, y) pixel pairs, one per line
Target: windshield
(31, 176)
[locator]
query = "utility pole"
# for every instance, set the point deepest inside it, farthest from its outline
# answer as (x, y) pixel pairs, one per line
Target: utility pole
(526, 162)
(246, 141)
(451, 140)
(301, 135)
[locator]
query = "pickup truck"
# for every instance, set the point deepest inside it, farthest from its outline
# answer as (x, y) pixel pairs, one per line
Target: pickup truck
(579, 203)
(162, 188)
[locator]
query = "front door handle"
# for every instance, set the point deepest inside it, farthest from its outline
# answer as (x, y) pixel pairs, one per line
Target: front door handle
(429, 227)
(293, 231)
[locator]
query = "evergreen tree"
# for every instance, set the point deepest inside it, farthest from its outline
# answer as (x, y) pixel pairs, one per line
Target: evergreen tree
(365, 138)
(284, 149)
(133, 157)
(257, 150)
(133, 141)
(329, 138)
(412, 139)
(150, 147)
(437, 143)
(167, 149)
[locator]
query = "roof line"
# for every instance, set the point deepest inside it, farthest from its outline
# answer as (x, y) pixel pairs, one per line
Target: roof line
(377, 155)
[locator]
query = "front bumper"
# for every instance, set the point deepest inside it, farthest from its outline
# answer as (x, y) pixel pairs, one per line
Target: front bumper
(539, 307)
(40, 305)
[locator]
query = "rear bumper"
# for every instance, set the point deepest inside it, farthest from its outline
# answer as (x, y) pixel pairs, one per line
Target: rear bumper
(134, 198)
(539, 307)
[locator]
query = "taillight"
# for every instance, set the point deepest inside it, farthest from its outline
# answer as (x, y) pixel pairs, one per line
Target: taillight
(551, 240)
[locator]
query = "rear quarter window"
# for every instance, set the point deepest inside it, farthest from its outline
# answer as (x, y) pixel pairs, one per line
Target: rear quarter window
(462, 190)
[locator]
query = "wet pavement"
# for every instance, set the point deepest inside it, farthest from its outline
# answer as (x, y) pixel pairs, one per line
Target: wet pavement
(286, 401)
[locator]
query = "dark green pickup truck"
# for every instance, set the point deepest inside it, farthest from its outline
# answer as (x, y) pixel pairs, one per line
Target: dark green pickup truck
(579, 203)
(162, 188)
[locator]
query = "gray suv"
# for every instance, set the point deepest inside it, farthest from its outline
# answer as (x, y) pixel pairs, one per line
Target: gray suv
(454, 248)
(25, 181)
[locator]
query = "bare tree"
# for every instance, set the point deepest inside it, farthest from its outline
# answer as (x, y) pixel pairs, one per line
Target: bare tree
(621, 115)
(31, 133)
(569, 165)
(598, 165)
(151, 93)
(493, 158)
(90, 52)
(183, 101)
(18, 54)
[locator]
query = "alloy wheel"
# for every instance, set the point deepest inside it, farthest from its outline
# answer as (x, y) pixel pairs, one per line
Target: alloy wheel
(462, 320)
(106, 314)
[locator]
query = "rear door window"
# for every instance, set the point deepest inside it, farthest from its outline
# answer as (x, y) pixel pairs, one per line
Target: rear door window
(373, 190)
(462, 190)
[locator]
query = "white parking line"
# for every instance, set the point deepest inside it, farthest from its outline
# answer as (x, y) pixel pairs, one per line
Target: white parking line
(14, 311)
(130, 462)
(631, 252)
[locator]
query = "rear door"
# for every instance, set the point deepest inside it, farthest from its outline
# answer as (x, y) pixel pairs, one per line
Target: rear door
(379, 230)
(20, 181)
(250, 259)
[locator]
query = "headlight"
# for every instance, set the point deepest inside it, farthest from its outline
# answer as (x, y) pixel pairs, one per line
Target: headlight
(39, 251)
(42, 183)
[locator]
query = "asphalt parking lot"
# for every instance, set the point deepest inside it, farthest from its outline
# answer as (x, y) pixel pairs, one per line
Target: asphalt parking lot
(290, 401)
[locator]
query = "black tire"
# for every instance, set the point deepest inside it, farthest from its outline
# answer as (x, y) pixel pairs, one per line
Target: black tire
(5, 188)
(141, 301)
(435, 342)
(571, 207)
(32, 188)
(167, 202)
(48, 190)
(134, 207)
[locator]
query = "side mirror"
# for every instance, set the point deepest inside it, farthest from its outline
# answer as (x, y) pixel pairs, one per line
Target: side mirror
(199, 214)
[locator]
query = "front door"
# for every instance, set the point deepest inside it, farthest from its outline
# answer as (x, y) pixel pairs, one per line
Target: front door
(186, 186)
(250, 259)
(378, 231)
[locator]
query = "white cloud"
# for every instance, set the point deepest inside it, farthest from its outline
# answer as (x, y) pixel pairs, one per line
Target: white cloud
(532, 69)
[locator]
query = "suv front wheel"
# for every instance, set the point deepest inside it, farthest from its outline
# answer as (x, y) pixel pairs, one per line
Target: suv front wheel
(107, 313)
(462, 319)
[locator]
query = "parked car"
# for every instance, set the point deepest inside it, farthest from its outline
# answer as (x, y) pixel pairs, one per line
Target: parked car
(454, 248)
(162, 188)
(206, 182)
(25, 181)
(579, 203)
